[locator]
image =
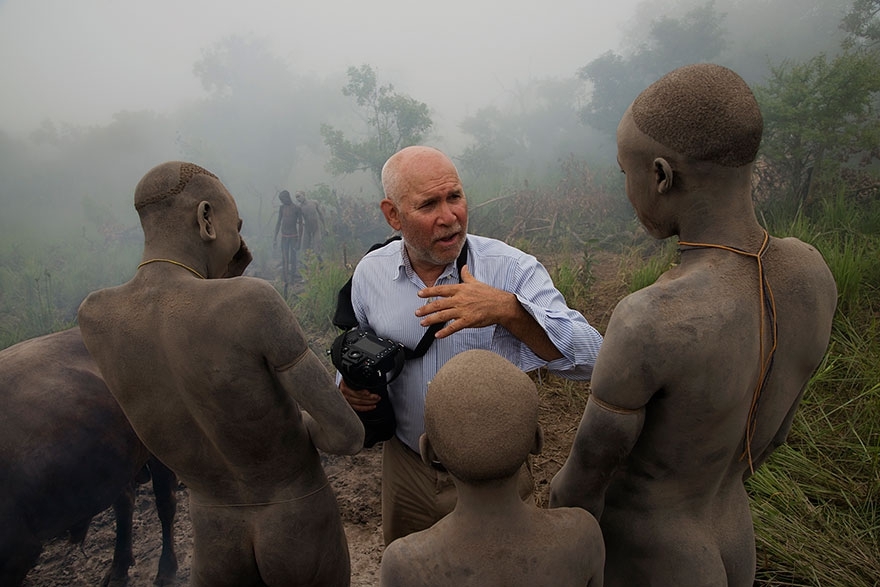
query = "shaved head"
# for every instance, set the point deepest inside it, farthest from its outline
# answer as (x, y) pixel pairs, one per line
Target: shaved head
(481, 416)
(165, 180)
(703, 111)
(407, 164)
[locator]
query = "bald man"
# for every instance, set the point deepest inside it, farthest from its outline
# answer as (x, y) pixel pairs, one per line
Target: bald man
(501, 299)
(701, 373)
(217, 379)
(481, 423)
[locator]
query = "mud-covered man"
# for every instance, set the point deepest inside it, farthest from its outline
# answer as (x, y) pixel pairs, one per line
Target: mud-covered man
(700, 373)
(217, 379)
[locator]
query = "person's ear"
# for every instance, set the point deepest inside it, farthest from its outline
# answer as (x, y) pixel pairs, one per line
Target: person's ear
(206, 221)
(426, 450)
(538, 446)
(392, 215)
(663, 175)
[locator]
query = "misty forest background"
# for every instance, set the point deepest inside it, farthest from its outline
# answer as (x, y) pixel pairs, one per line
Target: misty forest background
(540, 173)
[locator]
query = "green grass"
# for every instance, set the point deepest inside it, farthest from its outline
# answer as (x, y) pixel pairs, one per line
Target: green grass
(315, 306)
(643, 271)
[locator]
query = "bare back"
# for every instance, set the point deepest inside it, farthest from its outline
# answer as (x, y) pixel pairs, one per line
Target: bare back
(688, 349)
(188, 363)
(532, 547)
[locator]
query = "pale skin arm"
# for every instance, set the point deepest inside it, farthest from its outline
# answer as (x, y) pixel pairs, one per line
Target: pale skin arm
(332, 424)
(474, 304)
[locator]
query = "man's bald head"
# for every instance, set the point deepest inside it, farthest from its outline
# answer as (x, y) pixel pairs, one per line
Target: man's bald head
(166, 181)
(409, 163)
(481, 416)
(703, 111)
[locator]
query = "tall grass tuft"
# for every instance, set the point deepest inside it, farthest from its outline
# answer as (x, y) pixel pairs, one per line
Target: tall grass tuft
(573, 278)
(642, 272)
(316, 305)
(43, 285)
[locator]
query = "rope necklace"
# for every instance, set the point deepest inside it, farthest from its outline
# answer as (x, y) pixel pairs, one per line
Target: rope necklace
(173, 262)
(768, 304)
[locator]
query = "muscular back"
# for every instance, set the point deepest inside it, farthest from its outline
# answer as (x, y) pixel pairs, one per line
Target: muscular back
(192, 364)
(687, 349)
(694, 357)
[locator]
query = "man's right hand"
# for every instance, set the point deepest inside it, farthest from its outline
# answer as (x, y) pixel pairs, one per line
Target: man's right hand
(361, 400)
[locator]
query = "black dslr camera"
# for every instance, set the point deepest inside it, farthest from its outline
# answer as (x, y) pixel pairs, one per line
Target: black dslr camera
(367, 361)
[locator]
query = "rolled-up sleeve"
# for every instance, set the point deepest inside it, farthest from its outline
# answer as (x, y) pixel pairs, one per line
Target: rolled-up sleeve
(567, 329)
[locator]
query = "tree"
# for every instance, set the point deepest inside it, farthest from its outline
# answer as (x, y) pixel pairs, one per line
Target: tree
(256, 123)
(617, 80)
(862, 24)
(531, 134)
(820, 121)
(393, 121)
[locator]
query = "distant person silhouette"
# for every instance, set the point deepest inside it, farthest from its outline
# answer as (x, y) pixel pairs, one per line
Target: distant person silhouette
(312, 215)
(289, 225)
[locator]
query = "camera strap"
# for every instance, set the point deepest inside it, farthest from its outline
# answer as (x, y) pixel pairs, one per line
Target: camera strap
(428, 338)
(345, 319)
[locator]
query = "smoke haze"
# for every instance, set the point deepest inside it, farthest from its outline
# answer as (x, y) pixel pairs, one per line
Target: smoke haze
(81, 62)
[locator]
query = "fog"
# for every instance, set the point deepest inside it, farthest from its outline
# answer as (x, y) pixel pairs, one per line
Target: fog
(80, 62)
(96, 92)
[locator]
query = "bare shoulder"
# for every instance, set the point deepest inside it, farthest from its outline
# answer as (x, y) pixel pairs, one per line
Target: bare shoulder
(101, 306)
(401, 564)
(574, 523)
(642, 313)
(798, 256)
(246, 296)
(258, 312)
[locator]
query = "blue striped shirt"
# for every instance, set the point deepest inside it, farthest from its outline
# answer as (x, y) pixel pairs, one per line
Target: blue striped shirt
(384, 296)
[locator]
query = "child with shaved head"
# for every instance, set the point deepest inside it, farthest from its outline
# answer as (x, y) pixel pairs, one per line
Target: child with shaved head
(701, 373)
(481, 423)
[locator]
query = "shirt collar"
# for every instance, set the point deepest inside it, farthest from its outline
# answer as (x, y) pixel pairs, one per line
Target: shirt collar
(405, 268)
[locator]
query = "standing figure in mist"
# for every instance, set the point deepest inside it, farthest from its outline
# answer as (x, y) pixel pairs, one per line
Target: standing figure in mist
(700, 374)
(481, 424)
(289, 225)
(311, 215)
(218, 381)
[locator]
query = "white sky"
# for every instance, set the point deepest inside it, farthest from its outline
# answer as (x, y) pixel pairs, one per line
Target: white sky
(80, 61)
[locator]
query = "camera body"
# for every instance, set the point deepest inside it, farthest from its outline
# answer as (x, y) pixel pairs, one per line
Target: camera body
(367, 361)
